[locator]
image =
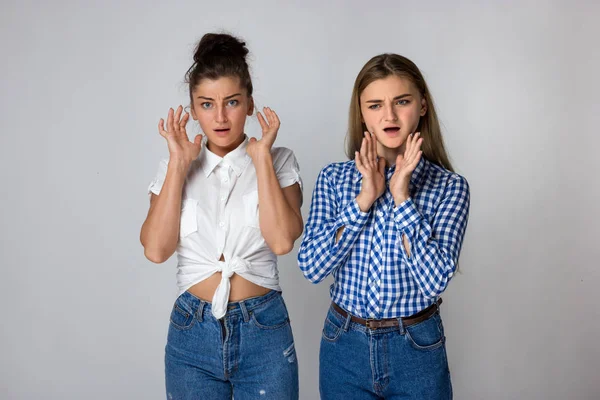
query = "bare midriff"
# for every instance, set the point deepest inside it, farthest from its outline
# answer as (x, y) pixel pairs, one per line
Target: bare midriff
(241, 288)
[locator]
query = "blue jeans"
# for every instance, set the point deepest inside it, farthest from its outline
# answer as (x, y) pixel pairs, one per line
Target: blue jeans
(248, 354)
(387, 363)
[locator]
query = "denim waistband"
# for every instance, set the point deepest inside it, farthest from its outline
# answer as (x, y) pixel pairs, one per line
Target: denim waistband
(202, 307)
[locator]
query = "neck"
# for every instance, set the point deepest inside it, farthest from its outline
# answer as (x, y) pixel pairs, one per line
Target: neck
(222, 151)
(389, 154)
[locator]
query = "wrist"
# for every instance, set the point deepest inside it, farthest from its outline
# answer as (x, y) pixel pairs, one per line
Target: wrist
(179, 165)
(261, 155)
(364, 202)
(401, 198)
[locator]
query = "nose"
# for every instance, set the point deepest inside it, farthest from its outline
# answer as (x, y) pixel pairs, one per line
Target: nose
(390, 113)
(221, 115)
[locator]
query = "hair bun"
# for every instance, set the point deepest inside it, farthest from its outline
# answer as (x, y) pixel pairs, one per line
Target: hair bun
(219, 55)
(213, 45)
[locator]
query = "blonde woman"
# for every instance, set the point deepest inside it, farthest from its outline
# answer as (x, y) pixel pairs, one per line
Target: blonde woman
(388, 225)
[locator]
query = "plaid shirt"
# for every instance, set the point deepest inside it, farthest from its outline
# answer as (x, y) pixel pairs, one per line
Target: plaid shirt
(373, 275)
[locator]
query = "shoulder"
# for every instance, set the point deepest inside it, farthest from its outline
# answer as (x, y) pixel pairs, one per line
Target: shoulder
(163, 164)
(441, 178)
(339, 171)
(281, 152)
(283, 156)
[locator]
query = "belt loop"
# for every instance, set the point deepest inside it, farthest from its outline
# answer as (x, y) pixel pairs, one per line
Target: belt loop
(401, 327)
(347, 323)
(200, 310)
(245, 312)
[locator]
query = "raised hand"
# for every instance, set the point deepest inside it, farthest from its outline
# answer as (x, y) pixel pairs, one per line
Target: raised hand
(372, 170)
(270, 127)
(405, 165)
(180, 147)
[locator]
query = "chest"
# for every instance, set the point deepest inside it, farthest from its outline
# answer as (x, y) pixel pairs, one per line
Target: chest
(224, 199)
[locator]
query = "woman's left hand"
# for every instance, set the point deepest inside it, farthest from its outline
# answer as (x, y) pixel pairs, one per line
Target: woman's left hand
(405, 165)
(270, 127)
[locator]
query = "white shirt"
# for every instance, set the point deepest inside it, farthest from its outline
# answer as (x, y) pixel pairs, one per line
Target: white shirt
(219, 215)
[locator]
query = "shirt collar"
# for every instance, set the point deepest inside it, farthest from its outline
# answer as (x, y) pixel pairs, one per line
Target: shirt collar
(237, 159)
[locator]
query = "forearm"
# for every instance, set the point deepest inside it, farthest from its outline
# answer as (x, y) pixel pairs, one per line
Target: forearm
(431, 249)
(327, 243)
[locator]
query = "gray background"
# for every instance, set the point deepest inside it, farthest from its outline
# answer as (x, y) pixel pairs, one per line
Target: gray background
(83, 85)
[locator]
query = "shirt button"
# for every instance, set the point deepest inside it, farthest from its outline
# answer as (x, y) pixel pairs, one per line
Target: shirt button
(224, 180)
(221, 224)
(223, 198)
(380, 213)
(377, 247)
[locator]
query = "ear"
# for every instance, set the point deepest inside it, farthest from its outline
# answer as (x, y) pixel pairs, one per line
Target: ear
(250, 107)
(423, 107)
(193, 113)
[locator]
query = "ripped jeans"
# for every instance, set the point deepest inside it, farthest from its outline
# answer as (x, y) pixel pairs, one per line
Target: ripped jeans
(249, 354)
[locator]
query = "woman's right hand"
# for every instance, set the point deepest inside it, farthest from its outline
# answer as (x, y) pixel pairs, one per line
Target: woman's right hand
(180, 147)
(372, 171)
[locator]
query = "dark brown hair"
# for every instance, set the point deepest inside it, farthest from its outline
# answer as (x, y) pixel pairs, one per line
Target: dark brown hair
(219, 55)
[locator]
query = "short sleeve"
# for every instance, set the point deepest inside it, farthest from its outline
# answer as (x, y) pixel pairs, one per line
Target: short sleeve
(286, 167)
(157, 183)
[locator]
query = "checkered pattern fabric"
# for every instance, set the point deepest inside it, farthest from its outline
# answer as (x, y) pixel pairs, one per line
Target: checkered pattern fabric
(374, 276)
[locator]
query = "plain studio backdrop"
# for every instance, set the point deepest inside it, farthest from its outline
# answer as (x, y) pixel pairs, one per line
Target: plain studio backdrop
(83, 84)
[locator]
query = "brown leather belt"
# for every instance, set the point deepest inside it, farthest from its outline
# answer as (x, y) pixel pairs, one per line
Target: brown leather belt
(391, 322)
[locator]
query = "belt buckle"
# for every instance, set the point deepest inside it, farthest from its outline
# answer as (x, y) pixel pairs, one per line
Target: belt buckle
(368, 325)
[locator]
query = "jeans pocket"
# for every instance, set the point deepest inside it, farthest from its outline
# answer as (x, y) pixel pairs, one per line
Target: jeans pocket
(333, 327)
(182, 318)
(272, 315)
(427, 335)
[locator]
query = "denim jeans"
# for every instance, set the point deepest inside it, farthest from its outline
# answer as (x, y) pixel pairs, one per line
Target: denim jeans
(249, 354)
(387, 363)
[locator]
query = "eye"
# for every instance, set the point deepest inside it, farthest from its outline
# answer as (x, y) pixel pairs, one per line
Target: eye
(232, 103)
(374, 106)
(206, 105)
(402, 102)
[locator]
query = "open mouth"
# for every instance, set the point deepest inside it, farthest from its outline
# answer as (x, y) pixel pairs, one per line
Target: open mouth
(392, 130)
(222, 131)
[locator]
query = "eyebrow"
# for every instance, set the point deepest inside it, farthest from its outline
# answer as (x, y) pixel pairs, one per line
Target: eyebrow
(395, 98)
(226, 98)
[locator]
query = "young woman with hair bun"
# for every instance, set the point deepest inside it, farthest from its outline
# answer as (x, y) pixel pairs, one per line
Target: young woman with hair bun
(228, 205)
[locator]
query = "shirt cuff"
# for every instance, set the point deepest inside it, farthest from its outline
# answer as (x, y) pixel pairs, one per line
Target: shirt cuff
(406, 214)
(155, 187)
(289, 178)
(352, 217)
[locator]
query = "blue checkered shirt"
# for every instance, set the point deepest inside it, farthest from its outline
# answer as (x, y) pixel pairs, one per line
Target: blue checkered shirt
(373, 275)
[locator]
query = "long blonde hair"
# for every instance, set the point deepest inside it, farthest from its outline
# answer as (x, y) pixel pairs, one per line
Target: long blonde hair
(380, 67)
